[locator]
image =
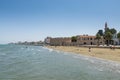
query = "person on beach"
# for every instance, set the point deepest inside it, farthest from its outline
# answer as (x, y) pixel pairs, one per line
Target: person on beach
(89, 49)
(112, 47)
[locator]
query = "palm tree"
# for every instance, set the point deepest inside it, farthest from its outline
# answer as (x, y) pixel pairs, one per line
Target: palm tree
(98, 37)
(108, 37)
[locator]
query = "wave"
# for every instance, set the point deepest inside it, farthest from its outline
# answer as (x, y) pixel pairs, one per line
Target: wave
(50, 50)
(100, 64)
(22, 48)
(76, 56)
(32, 49)
(39, 50)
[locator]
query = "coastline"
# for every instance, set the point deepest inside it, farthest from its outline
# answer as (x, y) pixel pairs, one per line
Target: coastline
(102, 53)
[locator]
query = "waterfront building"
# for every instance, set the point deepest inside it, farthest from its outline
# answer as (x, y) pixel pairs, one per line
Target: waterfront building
(115, 40)
(60, 41)
(47, 40)
(89, 40)
(81, 40)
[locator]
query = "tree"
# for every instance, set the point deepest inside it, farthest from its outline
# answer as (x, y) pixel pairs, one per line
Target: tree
(107, 30)
(118, 35)
(100, 32)
(74, 39)
(113, 31)
(108, 37)
(98, 37)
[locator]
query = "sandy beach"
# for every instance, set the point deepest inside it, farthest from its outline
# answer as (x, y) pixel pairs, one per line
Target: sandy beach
(104, 53)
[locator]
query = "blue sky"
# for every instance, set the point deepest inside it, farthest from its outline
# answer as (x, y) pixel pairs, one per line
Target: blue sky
(33, 20)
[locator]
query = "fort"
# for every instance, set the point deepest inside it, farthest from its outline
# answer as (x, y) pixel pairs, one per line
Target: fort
(80, 40)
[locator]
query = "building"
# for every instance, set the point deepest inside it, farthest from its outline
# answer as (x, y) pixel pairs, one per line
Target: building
(47, 40)
(106, 26)
(86, 40)
(115, 40)
(81, 40)
(60, 41)
(89, 40)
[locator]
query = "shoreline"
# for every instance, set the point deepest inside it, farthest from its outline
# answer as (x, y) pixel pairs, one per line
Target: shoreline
(102, 53)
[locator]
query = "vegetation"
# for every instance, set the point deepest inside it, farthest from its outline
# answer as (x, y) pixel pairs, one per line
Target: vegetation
(100, 32)
(98, 37)
(118, 35)
(107, 35)
(74, 39)
(113, 31)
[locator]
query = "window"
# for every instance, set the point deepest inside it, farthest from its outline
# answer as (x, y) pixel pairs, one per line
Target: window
(84, 43)
(90, 38)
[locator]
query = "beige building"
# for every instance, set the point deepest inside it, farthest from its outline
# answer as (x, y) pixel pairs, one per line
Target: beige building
(60, 41)
(81, 40)
(89, 40)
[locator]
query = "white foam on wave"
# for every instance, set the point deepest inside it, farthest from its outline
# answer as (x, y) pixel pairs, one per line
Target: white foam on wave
(92, 61)
(86, 58)
(107, 65)
(118, 71)
(101, 64)
(32, 49)
(57, 51)
(76, 56)
(100, 69)
(50, 50)
(65, 53)
(97, 63)
(45, 48)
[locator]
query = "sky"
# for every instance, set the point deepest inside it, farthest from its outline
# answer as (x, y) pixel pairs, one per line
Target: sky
(34, 20)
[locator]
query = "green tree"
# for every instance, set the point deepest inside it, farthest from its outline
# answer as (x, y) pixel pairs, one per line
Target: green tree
(108, 37)
(113, 31)
(98, 37)
(118, 35)
(100, 32)
(74, 39)
(107, 30)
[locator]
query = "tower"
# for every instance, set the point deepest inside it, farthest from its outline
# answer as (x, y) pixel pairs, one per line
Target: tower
(106, 26)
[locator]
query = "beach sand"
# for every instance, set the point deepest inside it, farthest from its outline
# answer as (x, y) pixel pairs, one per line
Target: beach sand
(104, 53)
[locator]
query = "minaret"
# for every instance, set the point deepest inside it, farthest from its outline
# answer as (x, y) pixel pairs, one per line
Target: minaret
(106, 27)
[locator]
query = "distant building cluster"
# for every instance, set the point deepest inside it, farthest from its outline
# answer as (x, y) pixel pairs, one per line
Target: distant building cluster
(38, 43)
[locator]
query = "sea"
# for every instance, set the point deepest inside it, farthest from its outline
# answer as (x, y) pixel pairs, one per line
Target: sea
(21, 62)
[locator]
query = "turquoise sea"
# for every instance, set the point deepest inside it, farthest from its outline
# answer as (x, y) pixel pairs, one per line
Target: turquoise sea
(20, 62)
